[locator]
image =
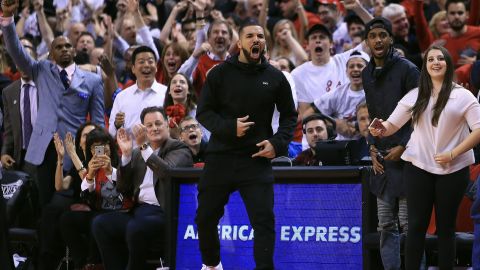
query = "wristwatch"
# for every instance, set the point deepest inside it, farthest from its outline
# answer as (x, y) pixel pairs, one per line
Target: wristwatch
(143, 146)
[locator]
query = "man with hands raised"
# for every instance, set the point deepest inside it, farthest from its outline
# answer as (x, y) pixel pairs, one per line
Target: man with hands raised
(142, 175)
(236, 106)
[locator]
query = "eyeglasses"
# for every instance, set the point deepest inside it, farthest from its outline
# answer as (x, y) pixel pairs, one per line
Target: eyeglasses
(190, 127)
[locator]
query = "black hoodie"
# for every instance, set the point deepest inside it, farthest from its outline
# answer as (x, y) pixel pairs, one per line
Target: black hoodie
(384, 88)
(233, 90)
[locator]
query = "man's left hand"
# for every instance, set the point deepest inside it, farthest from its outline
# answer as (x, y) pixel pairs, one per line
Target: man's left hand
(266, 150)
(395, 153)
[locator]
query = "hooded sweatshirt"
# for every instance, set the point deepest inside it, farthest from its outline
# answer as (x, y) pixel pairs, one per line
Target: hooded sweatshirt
(233, 90)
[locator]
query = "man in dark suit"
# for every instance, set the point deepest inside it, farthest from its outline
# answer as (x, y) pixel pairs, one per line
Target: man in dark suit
(20, 101)
(68, 94)
(141, 174)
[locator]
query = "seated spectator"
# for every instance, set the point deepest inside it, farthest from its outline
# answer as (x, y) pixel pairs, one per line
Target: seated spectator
(141, 174)
(341, 103)
(191, 135)
(100, 195)
(363, 121)
(316, 129)
(68, 192)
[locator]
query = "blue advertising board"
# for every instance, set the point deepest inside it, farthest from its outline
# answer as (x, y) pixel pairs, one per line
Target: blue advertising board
(318, 226)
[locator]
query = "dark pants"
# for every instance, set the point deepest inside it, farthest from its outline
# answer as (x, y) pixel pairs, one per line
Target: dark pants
(45, 175)
(76, 232)
(52, 247)
(258, 199)
(425, 190)
(124, 238)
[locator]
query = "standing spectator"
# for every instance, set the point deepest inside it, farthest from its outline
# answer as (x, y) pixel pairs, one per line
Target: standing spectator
(242, 142)
(285, 43)
(20, 100)
(386, 79)
(463, 41)
(124, 238)
(146, 92)
(438, 154)
(341, 103)
(69, 94)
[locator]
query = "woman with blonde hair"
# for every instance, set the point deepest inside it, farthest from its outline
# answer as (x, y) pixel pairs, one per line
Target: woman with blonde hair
(285, 43)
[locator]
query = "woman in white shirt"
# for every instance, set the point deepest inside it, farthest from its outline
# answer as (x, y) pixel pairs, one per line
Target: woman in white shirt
(438, 153)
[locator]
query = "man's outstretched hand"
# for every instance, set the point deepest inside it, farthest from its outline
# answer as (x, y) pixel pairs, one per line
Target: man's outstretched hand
(9, 7)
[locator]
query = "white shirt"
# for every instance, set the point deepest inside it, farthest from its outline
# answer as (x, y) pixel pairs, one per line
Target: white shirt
(341, 104)
(33, 105)
(276, 114)
(313, 81)
(147, 190)
(132, 101)
(461, 113)
(70, 70)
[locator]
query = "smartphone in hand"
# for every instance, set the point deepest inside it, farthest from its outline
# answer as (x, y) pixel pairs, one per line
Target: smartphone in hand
(99, 150)
(377, 124)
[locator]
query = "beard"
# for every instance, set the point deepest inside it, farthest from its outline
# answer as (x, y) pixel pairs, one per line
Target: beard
(249, 58)
(457, 25)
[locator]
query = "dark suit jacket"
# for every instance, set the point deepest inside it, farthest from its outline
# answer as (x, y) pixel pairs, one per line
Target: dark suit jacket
(172, 154)
(12, 136)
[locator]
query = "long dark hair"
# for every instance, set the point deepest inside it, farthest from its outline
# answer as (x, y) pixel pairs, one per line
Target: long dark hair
(101, 136)
(425, 88)
(78, 137)
(191, 96)
(178, 50)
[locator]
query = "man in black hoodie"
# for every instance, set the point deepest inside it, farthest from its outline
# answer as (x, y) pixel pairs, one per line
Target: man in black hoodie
(236, 106)
(386, 79)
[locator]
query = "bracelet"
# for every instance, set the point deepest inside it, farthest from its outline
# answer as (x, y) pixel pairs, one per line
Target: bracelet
(81, 168)
(199, 18)
(60, 163)
(300, 6)
(451, 155)
(89, 180)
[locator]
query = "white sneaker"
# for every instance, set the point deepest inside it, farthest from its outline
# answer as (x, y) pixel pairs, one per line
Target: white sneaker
(218, 267)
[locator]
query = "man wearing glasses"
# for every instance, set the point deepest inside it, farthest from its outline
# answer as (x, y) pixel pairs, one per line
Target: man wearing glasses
(191, 135)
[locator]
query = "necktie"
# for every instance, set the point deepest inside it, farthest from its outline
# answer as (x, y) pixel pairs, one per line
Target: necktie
(64, 78)
(27, 118)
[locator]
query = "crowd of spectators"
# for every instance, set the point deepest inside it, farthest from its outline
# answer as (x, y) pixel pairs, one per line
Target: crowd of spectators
(76, 74)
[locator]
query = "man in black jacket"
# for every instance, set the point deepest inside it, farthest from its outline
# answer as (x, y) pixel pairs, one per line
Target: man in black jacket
(236, 105)
(386, 79)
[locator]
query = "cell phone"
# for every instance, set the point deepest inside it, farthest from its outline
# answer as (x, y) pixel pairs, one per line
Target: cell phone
(99, 150)
(377, 124)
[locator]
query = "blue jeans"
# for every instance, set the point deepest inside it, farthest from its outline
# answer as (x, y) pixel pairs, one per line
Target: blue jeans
(475, 212)
(388, 220)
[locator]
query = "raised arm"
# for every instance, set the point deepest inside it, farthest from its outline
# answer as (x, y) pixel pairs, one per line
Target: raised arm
(21, 58)
(424, 35)
(44, 27)
(171, 22)
(357, 7)
(142, 29)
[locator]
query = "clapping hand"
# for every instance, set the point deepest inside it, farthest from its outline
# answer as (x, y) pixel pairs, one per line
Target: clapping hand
(58, 146)
(124, 142)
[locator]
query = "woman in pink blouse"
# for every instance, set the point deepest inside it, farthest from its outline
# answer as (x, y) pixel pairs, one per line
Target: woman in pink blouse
(438, 153)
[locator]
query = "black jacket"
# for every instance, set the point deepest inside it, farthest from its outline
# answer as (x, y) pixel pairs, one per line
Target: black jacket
(233, 90)
(384, 88)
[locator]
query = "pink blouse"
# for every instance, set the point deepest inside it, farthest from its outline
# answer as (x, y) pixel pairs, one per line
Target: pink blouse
(461, 112)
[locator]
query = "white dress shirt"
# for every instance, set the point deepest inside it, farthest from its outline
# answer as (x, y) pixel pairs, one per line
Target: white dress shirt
(132, 101)
(147, 190)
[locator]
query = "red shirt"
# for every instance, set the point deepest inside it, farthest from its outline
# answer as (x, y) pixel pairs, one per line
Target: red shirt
(456, 45)
(205, 63)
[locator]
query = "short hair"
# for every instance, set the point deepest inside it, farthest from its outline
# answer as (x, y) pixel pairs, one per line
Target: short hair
(351, 19)
(85, 33)
(327, 120)
(218, 22)
(360, 106)
(247, 24)
(392, 10)
(152, 109)
(142, 49)
(187, 118)
(467, 7)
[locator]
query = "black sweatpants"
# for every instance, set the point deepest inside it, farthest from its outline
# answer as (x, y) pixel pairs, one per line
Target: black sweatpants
(258, 200)
(444, 192)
